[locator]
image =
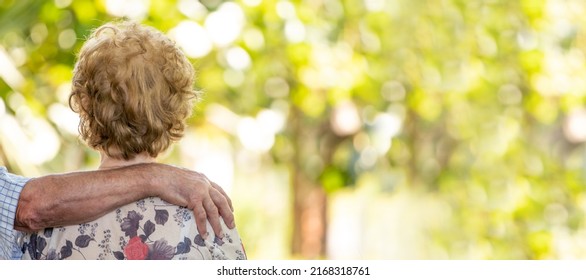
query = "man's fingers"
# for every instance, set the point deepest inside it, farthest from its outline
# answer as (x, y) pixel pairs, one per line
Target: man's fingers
(214, 217)
(217, 187)
(201, 219)
(222, 204)
(211, 203)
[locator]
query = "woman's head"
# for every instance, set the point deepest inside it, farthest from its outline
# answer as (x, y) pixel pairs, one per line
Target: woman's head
(133, 90)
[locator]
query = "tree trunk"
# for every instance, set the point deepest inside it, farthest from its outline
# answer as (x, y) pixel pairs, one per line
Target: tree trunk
(309, 229)
(309, 198)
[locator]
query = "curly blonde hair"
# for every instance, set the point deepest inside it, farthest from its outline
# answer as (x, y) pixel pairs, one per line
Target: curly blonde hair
(133, 90)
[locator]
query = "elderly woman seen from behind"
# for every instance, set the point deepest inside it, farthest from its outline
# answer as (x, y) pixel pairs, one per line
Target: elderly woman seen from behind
(133, 90)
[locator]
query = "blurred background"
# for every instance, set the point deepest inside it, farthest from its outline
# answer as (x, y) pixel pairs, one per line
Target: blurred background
(345, 129)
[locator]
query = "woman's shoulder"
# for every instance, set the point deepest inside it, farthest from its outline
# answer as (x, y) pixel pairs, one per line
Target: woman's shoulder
(149, 228)
(175, 226)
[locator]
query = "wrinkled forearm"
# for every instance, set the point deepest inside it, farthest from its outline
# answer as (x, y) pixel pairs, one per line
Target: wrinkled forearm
(78, 197)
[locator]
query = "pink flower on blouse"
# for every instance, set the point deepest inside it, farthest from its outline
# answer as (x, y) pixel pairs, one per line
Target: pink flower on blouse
(136, 249)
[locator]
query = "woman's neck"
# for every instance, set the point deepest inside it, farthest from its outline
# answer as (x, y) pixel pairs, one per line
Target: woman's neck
(108, 162)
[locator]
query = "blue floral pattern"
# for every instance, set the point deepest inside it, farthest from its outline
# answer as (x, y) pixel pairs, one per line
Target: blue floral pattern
(138, 231)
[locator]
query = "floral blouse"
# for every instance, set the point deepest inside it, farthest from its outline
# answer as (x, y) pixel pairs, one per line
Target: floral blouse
(149, 229)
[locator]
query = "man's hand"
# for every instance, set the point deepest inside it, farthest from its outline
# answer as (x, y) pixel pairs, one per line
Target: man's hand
(195, 191)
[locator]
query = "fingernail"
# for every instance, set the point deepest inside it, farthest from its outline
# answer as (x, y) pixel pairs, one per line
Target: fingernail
(221, 235)
(232, 224)
(206, 235)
